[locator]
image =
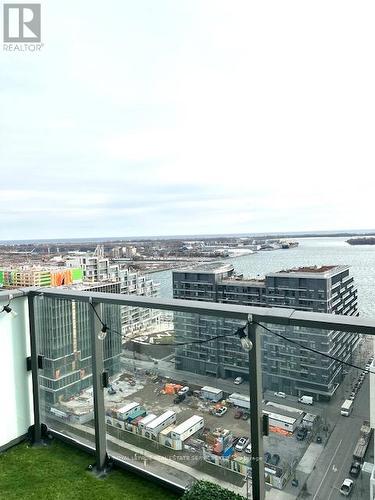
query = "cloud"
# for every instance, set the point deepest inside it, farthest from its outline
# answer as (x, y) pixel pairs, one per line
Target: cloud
(189, 117)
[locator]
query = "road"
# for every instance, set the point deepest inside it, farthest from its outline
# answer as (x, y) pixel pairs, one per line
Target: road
(333, 467)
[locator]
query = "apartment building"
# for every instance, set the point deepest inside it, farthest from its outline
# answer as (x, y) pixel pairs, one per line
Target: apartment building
(39, 276)
(64, 338)
(97, 268)
(286, 367)
(64, 329)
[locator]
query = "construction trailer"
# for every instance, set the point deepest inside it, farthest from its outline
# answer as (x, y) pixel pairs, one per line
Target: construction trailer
(125, 411)
(59, 413)
(282, 422)
(137, 413)
(146, 420)
(166, 419)
(188, 428)
(239, 400)
(212, 393)
(284, 408)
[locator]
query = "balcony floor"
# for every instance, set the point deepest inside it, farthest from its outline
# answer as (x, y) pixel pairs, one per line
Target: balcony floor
(59, 472)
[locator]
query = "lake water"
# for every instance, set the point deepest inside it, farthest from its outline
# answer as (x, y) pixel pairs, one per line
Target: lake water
(311, 251)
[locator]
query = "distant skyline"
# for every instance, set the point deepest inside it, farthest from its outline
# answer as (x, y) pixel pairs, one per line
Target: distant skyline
(291, 234)
(188, 118)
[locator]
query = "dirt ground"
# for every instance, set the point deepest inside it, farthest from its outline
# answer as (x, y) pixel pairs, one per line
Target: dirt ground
(149, 394)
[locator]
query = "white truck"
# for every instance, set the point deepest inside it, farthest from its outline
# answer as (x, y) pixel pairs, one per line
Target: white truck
(239, 400)
(306, 400)
(346, 408)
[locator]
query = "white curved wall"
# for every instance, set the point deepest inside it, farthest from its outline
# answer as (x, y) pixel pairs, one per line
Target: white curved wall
(15, 382)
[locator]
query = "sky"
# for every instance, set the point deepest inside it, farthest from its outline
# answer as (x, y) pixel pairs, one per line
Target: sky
(167, 117)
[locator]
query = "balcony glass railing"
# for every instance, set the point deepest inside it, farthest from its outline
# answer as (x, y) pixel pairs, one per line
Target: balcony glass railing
(172, 399)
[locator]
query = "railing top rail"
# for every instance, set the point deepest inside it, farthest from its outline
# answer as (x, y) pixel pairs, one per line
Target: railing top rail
(271, 315)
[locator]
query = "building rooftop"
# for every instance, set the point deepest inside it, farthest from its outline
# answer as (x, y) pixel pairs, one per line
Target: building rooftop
(84, 285)
(308, 269)
(312, 270)
(220, 267)
(207, 267)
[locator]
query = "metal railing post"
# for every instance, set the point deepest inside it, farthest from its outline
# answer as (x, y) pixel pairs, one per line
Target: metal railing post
(98, 390)
(256, 414)
(37, 433)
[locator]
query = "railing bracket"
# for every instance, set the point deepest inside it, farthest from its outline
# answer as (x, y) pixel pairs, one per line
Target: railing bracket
(103, 471)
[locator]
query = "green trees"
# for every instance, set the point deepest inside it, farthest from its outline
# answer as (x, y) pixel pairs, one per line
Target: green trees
(204, 490)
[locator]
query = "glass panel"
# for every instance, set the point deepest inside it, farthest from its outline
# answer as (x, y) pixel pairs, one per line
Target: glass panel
(166, 408)
(66, 395)
(318, 411)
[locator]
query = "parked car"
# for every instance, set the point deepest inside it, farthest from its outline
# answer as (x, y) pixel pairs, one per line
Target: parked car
(346, 487)
(318, 439)
(275, 459)
(248, 449)
(184, 390)
(238, 380)
(242, 443)
(280, 394)
(235, 440)
(238, 414)
(221, 411)
(352, 396)
(355, 469)
(301, 434)
(245, 416)
(267, 457)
